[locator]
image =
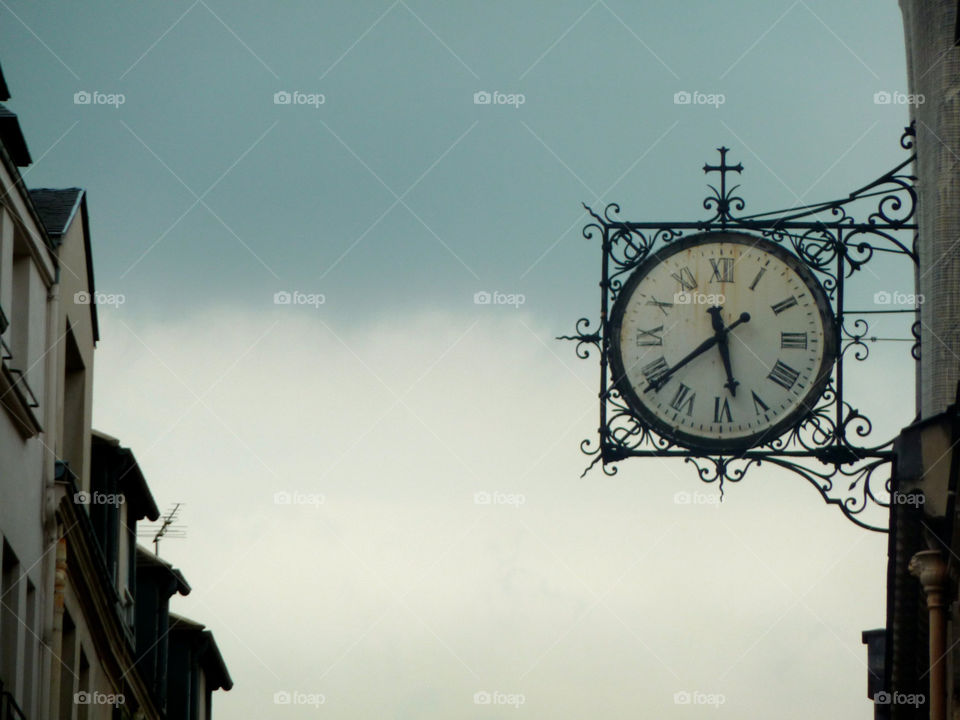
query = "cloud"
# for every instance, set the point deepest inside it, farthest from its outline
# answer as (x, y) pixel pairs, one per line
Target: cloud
(384, 586)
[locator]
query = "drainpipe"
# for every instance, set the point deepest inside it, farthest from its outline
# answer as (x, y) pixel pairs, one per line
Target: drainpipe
(56, 646)
(53, 569)
(930, 568)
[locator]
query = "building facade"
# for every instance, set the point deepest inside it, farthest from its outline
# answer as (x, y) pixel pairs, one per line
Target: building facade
(919, 676)
(28, 419)
(84, 612)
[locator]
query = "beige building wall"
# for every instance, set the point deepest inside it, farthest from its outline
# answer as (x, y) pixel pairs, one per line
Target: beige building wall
(75, 348)
(27, 273)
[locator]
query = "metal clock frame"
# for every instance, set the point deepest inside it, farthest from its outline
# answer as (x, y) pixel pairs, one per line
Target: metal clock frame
(831, 447)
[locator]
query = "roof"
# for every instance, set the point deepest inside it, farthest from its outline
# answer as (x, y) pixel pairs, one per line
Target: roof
(210, 657)
(56, 208)
(145, 558)
(132, 483)
(12, 138)
(4, 92)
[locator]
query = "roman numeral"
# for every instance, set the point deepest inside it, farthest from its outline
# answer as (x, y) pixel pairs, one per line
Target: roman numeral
(759, 406)
(783, 375)
(722, 269)
(653, 336)
(783, 305)
(654, 370)
(793, 340)
(683, 398)
(721, 411)
(757, 278)
(685, 278)
(660, 304)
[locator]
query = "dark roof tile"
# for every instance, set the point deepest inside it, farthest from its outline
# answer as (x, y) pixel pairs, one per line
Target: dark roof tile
(56, 208)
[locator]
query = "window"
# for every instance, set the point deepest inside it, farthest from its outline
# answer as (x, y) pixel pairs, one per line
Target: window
(31, 654)
(83, 684)
(74, 407)
(19, 334)
(68, 654)
(9, 625)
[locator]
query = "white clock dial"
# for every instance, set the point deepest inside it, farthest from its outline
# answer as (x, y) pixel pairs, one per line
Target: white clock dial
(711, 296)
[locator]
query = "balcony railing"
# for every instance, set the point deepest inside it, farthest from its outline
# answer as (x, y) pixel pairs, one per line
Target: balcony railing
(9, 710)
(21, 383)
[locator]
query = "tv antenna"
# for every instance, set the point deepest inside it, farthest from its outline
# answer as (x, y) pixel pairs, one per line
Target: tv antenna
(169, 527)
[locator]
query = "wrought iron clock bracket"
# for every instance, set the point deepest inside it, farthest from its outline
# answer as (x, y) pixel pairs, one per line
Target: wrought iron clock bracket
(832, 448)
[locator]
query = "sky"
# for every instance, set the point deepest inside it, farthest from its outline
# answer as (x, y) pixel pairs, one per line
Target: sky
(387, 405)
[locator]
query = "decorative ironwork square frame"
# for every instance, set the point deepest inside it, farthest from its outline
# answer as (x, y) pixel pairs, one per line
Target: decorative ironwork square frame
(832, 447)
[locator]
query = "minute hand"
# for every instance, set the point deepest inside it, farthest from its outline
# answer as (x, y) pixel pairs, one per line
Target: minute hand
(697, 351)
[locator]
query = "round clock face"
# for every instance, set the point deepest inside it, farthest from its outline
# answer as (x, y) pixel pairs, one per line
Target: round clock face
(722, 341)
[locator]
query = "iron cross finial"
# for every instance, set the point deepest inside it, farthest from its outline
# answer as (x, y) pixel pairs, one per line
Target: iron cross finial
(723, 200)
(723, 168)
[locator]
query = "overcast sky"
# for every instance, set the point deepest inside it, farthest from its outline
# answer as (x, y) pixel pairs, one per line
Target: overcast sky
(383, 189)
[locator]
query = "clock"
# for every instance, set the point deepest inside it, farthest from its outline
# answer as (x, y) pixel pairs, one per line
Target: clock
(722, 341)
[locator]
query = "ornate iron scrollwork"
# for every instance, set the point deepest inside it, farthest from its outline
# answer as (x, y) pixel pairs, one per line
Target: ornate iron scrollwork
(832, 447)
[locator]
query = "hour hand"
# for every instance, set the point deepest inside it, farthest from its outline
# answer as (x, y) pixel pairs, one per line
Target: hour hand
(724, 347)
(731, 384)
